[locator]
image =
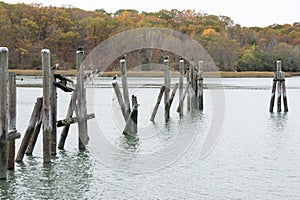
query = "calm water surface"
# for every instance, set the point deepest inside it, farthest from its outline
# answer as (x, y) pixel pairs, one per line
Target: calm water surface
(256, 155)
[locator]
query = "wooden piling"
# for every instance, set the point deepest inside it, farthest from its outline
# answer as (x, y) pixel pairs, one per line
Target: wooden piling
(200, 84)
(35, 134)
(181, 74)
(134, 115)
(193, 77)
(28, 133)
(53, 99)
(125, 86)
(279, 91)
(12, 118)
(131, 124)
(193, 82)
(272, 101)
(65, 130)
(161, 92)
(45, 53)
(72, 120)
(167, 84)
(81, 102)
(285, 104)
(3, 111)
(279, 97)
(188, 83)
(186, 90)
(279, 82)
(172, 96)
(120, 99)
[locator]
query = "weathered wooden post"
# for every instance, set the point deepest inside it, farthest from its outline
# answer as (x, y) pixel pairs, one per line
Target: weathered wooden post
(200, 84)
(181, 74)
(125, 85)
(194, 77)
(53, 99)
(285, 104)
(12, 119)
(120, 99)
(134, 114)
(65, 130)
(193, 82)
(188, 83)
(172, 96)
(131, 124)
(3, 111)
(167, 84)
(272, 101)
(279, 82)
(81, 102)
(30, 129)
(35, 134)
(45, 53)
(161, 92)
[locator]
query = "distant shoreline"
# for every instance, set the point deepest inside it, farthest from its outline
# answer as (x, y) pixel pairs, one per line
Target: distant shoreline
(246, 74)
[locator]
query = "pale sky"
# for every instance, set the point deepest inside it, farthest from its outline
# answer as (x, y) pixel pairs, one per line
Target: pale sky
(247, 13)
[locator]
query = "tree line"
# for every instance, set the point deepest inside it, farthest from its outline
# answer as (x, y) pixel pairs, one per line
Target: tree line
(26, 29)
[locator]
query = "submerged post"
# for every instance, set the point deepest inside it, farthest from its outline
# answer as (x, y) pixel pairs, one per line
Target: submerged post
(12, 118)
(167, 84)
(181, 74)
(125, 86)
(81, 102)
(45, 53)
(3, 111)
(200, 84)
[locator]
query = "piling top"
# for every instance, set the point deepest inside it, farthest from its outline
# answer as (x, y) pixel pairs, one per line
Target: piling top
(3, 49)
(166, 60)
(278, 65)
(200, 63)
(45, 51)
(122, 61)
(79, 52)
(192, 62)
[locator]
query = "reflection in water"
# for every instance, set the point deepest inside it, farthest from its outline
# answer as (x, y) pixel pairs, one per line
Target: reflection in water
(278, 122)
(130, 143)
(4, 188)
(67, 177)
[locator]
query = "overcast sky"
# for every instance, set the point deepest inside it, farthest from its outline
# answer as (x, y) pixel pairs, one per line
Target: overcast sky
(246, 13)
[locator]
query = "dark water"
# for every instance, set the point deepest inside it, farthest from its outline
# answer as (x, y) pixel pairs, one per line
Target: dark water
(255, 156)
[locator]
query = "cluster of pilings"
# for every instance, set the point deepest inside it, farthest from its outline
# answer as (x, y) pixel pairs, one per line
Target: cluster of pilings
(130, 115)
(193, 90)
(279, 83)
(44, 114)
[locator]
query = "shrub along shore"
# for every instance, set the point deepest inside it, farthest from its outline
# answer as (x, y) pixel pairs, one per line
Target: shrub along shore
(247, 74)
